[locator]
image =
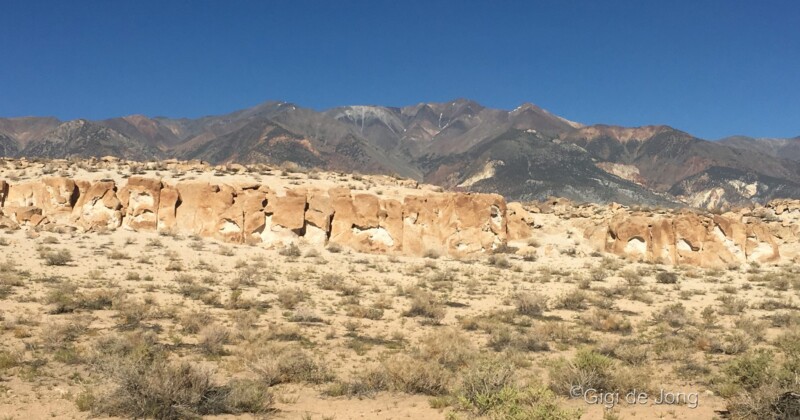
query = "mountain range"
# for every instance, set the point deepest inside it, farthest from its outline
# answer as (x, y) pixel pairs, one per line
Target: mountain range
(525, 154)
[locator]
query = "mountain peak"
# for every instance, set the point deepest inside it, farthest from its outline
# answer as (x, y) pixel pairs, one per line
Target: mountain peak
(527, 106)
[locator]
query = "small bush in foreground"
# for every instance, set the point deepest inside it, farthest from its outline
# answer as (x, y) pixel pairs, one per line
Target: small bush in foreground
(57, 258)
(145, 384)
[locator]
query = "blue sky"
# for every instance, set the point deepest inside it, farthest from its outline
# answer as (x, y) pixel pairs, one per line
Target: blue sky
(712, 68)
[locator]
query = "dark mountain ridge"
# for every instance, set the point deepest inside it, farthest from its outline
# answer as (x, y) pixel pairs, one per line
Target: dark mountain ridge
(526, 153)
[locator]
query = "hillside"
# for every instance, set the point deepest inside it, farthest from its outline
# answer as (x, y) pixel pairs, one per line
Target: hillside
(525, 153)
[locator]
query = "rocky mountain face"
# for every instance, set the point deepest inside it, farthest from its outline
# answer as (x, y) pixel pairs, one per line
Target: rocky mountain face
(720, 187)
(524, 154)
(81, 138)
(780, 148)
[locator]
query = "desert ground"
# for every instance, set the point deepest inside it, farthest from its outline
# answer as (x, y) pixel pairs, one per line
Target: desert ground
(136, 324)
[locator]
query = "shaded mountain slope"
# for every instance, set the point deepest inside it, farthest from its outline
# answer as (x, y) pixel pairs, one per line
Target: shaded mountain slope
(781, 148)
(665, 156)
(81, 138)
(718, 187)
(529, 166)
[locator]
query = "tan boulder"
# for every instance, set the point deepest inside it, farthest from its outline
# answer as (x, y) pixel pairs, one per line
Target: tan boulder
(479, 224)
(629, 235)
(25, 194)
(252, 203)
(520, 222)
(690, 238)
(344, 216)
(760, 244)
(320, 210)
(22, 214)
(686, 238)
(661, 246)
(417, 226)
(140, 202)
(60, 197)
(98, 206)
(168, 200)
(318, 217)
(288, 211)
(456, 224)
(376, 225)
(55, 196)
(7, 223)
(390, 221)
(203, 211)
(363, 221)
(284, 217)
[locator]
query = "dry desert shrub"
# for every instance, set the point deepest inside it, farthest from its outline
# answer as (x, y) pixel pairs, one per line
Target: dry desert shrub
(499, 261)
(145, 383)
(213, 339)
(449, 347)
(530, 304)
(757, 384)
(487, 389)
(283, 363)
(589, 369)
(291, 251)
(575, 300)
(56, 258)
(192, 322)
(674, 315)
(425, 304)
(607, 321)
(666, 277)
(359, 311)
(330, 281)
(290, 297)
(416, 376)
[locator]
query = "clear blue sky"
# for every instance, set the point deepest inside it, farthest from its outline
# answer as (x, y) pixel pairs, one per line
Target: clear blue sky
(712, 68)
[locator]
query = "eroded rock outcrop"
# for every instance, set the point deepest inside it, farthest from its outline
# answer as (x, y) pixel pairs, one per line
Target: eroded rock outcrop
(54, 196)
(448, 223)
(140, 202)
(685, 238)
(98, 206)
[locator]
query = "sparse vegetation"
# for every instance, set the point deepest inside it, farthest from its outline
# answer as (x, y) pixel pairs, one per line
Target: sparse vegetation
(175, 325)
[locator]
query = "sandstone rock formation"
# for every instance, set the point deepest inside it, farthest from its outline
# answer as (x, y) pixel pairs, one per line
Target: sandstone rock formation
(456, 224)
(684, 238)
(660, 235)
(413, 223)
(98, 206)
(55, 196)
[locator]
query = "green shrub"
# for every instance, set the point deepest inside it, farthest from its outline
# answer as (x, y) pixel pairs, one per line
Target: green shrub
(591, 369)
(747, 372)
